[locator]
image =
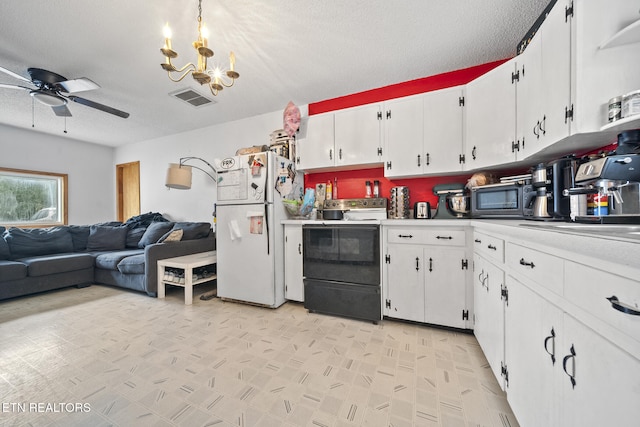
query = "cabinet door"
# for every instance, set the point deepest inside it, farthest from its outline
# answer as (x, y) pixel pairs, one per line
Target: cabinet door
(443, 130)
(529, 95)
(607, 380)
(358, 135)
(405, 282)
(531, 389)
(317, 151)
(293, 284)
(490, 118)
(445, 286)
(555, 57)
(403, 154)
(489, 313)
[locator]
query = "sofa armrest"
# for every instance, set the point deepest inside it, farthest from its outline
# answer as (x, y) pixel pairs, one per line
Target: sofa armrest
(156, 251)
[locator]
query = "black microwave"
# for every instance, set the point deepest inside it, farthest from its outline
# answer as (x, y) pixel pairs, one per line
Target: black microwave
(510, 200)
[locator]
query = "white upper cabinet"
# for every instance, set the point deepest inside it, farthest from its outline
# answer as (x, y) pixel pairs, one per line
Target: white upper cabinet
(443, 130)
(403, 128)
(317, 150)
(358, 136)
(491, 118)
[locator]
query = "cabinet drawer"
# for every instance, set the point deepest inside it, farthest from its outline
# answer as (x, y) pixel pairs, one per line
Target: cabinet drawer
(589, 288)
(543, 269)
(446, 237)
(489, 246)
(407, 235)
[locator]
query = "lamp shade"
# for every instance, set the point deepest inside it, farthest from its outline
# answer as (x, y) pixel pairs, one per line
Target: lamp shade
(178, 176)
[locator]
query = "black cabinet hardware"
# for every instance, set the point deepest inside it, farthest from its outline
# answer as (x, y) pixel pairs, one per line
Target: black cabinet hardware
(526, 264)
(625, 308)
(571, 356)
(551, 353)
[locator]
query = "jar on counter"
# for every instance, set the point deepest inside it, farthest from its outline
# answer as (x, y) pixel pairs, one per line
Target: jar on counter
(615, 109)
(631, 104)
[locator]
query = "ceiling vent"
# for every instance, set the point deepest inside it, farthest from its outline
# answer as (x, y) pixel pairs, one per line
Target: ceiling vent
(192, 97)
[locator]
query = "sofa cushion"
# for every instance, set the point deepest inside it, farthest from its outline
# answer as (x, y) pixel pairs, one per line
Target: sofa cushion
(12, 270)
(193, 230)
(58, 263)
(132, 264)
(5, 253)
(171, 236)
(154, 231)
(134, 235)
(110, 260)
(106, 238)
(79, 236)
(38, 241)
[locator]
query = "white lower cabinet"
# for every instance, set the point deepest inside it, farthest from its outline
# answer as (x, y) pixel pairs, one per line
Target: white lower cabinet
(563, 352)
(293, 284)
(426, 279)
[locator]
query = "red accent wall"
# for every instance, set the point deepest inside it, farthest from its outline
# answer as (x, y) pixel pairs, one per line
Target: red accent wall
(412, 87)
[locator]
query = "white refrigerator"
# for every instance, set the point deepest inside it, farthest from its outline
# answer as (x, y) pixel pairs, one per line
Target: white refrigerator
(250, 237)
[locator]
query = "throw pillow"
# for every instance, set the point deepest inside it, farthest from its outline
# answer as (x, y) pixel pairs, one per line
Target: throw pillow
(171, 236)
(38, 241)
(193, 230)
(154, 231)
(134, 235)
(5, 253)
(132, 264)
(80, 236)
(106, 238)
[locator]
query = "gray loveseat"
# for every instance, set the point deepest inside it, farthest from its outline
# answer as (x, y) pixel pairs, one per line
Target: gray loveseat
(124, 255)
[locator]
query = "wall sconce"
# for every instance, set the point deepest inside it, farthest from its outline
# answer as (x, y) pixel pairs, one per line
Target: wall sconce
(179, 174)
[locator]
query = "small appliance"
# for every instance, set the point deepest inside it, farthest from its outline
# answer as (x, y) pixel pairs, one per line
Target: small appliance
(550, 182)
(513, 197)
(422, 210)
(453, 201)
(355, 209)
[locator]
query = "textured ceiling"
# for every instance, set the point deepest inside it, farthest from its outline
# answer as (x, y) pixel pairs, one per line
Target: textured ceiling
(304, 51)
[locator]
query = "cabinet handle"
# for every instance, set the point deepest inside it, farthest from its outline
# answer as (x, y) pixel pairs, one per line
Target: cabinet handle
(551, 353)
(493, 248)
(300, 248)
(478, 241)
(473, 152)
(444, 237)
(331, 154)
(405, 236)
(625, 308)
(536, 131)
(340, 154)
(526, 264)
(430, 264)
(543, 124)
(298, 160)
(572, 375)
(418, 160)
(428, 160)
(417, 264)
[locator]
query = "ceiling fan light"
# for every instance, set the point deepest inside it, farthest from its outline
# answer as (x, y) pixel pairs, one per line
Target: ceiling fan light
(49, 99)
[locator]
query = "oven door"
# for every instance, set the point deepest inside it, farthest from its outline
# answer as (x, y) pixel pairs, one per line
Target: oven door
(342, 253)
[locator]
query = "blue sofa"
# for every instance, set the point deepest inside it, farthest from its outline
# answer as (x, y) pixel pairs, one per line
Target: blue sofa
(124, 255)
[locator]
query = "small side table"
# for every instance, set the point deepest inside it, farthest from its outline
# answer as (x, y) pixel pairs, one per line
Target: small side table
(186, 263)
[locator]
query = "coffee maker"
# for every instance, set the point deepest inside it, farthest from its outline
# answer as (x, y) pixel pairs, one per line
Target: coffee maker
(549, 181)
(612, 183)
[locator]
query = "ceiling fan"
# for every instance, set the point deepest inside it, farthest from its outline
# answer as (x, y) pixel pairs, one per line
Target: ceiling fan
(54, 90)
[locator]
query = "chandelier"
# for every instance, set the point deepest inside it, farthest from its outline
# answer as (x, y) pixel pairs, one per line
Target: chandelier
(214, 78)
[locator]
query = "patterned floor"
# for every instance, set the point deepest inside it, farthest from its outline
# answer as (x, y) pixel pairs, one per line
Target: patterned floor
(101, 356)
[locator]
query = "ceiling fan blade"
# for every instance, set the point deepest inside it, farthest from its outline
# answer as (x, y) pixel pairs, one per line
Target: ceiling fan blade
(14, 87)
(98, 106)
(78, 85)
(12, 74)
(61, 111)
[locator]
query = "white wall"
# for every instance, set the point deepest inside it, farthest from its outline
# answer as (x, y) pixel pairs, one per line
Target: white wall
(209, 143)
(90, 169)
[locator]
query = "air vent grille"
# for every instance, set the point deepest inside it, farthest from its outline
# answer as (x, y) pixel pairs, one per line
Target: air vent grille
(192, 98)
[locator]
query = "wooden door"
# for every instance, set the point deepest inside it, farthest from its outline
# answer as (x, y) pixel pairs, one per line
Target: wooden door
(128, 190)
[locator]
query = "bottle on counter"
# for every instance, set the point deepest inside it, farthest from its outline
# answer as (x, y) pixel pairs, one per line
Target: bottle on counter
(329, 190)
(367, 189)
(376, 188)
(335, 188)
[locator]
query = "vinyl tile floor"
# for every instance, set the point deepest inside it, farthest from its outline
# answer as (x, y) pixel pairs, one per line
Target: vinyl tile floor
(101, 356)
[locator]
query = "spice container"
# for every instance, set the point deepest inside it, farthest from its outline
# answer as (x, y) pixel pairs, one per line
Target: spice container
(615, 109)
(367, 192)
(631, 104)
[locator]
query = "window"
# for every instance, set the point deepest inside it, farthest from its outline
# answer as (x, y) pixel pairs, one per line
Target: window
(31, 198)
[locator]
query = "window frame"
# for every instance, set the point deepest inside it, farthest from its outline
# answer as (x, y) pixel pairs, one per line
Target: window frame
(64, 199)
